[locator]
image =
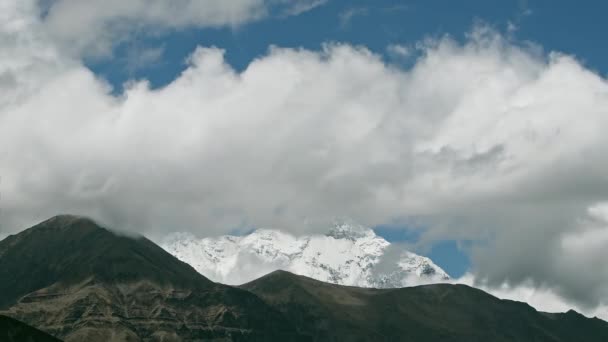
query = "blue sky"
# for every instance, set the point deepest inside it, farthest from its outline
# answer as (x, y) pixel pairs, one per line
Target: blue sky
(448, 254)
(376, 25)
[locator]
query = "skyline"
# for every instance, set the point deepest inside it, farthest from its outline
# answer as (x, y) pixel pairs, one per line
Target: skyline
(471, 132)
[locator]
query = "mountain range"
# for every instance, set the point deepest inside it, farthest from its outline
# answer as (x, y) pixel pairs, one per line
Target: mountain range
(349, 254)
(76, 280)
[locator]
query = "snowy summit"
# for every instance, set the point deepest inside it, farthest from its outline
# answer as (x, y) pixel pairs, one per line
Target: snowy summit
(348, 254)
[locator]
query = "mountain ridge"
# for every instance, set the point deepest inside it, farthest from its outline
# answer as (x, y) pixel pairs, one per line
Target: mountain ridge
(436, 312)
(51, 257)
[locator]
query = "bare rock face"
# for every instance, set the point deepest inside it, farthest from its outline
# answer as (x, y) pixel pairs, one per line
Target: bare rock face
(136, 311)
(80, 282)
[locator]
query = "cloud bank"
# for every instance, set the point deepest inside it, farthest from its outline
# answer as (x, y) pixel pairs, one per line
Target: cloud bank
(485, 140)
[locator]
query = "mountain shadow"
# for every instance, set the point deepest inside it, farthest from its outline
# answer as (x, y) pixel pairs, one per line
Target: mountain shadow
(11, 330)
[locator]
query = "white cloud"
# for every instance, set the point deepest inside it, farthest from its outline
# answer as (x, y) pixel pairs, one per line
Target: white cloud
(92, 28)
(297, 7)
(481, 141)
(398, 51)
(143, 57)
(541, 298)
(347, 16)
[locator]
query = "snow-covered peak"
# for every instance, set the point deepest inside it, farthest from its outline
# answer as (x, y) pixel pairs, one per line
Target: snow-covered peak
(350, 231)
(349, 254)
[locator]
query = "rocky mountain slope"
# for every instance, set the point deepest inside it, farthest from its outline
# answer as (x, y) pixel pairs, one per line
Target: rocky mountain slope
(347, 255)
(438, 312)
(80, 282)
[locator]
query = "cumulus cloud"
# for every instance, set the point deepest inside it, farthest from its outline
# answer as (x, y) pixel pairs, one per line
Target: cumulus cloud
(486, 141)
